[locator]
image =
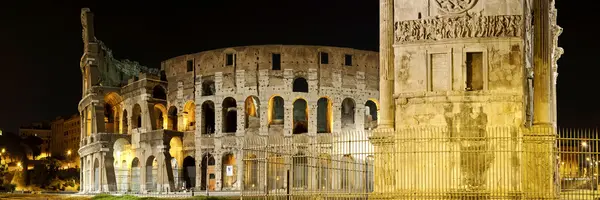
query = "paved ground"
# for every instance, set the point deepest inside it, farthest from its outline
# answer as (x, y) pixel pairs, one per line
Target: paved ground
(172, 196)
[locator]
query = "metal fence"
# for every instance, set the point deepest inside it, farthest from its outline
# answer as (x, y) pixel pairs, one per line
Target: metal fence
(424, 163)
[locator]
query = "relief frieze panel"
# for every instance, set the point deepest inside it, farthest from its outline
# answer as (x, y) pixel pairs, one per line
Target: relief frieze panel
(470, 25)
(455, 6)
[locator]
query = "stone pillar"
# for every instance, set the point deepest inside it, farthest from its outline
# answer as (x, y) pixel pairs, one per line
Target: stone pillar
(542, 54)
(359, 115)
(218, 117)
(264, 121)
(288, 124)
(198, 167)
(312, 117)
(102, 172)
(539, 141)
(81, 174)
(241, 117)
(386, 65)
(218, 171)
(99, 118)
(143, 170)
(336, 110)
(239, 161)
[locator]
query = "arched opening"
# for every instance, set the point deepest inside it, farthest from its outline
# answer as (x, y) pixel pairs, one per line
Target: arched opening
(229, 115)
(229, 171)
(370, 115)
(300, 116)
(172, 115)
(300, 168)
(151, 173)
(300, 85)
(208, 172)
(324, 174)
(111, 112)
(208, 117)
(189, 172)
(109, 118)
(176, 152)
(160, 114)
(124, 123)
(347, 172)
(348, 109)
(324, 115)
(177, 181)
(276, 172)
(208, 88)
(96, 175)
(189, 113)
(276, 111)
(136, 117)
(252, 118)
(251, 172)
(121, 151)
(134, 184)
(158, 92)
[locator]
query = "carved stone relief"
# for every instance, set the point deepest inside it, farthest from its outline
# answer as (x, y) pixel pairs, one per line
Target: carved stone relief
(470, 25)
(455, 6)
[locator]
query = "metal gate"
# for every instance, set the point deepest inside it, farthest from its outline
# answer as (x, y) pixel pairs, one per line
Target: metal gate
(428, 163)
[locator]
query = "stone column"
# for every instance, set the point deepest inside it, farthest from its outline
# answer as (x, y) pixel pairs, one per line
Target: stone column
(102, 172)
(264, 121)
(539, 141)
(542, 54)
(359, 116)
(218, 118)
(241, 117)
(312, 117)
(386, 64)
(288, 124)
(239, 161)
(81, 174)
(218, 171)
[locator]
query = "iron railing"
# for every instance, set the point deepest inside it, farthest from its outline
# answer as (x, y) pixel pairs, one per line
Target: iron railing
(425, 163)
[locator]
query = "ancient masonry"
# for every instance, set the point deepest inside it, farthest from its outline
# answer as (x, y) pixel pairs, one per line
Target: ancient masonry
(467, 67)
(184, 126)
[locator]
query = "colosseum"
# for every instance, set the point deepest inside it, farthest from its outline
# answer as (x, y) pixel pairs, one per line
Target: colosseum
(186, 124)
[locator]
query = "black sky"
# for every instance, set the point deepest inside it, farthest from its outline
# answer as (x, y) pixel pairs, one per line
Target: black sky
(40, 44)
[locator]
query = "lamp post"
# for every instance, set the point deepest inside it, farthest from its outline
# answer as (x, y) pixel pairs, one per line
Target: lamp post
(69, 158)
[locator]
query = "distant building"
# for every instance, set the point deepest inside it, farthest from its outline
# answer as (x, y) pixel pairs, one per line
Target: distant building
(65, 138)
(41, 130)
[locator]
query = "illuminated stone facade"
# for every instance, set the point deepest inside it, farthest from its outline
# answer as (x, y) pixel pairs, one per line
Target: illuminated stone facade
(66, 133)
(185, 126)
(466, 67)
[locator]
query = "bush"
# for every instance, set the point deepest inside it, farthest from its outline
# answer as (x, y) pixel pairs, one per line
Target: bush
(8, 187)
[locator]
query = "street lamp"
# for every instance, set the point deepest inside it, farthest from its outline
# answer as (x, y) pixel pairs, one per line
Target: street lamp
(3, 150)
(69, 158)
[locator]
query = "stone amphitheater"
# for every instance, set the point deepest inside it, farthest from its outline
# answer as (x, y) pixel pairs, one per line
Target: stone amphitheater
(184, 126)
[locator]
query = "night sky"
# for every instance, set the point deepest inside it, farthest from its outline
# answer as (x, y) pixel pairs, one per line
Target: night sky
(41, 45)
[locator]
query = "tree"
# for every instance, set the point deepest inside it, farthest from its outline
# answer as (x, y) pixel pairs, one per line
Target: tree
(45, 172)
(18, 147)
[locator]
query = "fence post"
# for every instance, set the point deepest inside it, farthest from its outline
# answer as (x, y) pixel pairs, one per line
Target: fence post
(288, 184)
